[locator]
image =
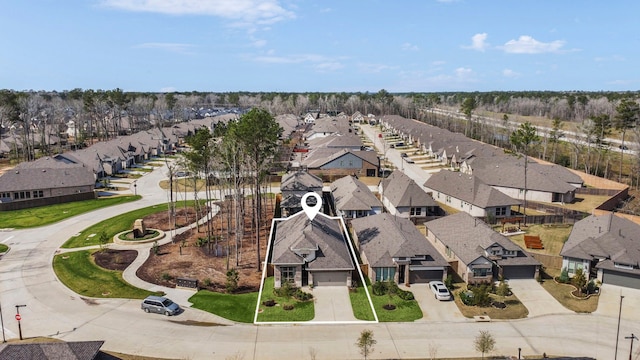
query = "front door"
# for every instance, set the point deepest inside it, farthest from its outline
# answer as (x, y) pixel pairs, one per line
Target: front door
(401, 271)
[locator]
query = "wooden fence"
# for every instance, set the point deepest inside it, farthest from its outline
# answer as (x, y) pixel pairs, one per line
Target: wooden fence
(548, 261)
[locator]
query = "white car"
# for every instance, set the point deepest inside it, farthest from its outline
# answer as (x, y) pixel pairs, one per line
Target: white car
(439, 290)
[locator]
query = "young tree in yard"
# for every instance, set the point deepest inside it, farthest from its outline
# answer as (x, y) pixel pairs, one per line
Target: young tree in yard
(104, 240)
(579, 280)
(484, 342)
(503, 290)
(627, 117)
(258, 132)
(555, 135)
(232, 280)
(521, 139)
(366, 342)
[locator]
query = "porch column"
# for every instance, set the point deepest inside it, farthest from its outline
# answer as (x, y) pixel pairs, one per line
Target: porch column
(406, 275)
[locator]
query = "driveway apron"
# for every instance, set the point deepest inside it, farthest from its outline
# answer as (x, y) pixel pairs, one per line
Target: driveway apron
(332, 304)
(537, 300)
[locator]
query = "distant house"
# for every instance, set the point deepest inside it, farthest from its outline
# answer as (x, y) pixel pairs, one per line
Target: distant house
(394, 249)
(402, 197)
(332, 162)
(293, 186)
(469, 194)
(311, 252)
(357, 117)
(476, 252)
(353, 199)
(606, 248)
(310, 118)
(45, 182)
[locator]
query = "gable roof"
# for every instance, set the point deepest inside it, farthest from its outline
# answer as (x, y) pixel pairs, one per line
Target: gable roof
(383, 237)
(402, 191)
(350, 193)
(606, 237)
(300, 181)
(469, 237)
(76, 350)
(321, 233)
(319, 157)
(468, 188)
(26, 178)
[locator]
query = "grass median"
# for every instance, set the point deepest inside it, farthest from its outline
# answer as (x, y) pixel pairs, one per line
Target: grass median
(91, 235)
(45, 215)
(77, 271)
(3, 248)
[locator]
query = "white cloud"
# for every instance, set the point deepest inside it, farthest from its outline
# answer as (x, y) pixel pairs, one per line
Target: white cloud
(328, 66)
(478, 42)
(528, 45)
(510, 73)
(409, 47)
(373, 68)
(169, 47)
(463, 73)
(243, 11)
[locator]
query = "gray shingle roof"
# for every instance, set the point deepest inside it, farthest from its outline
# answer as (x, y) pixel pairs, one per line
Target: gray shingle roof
(468, 188)
(27, 179)
(300, 181)
(323, 233)
(383, 237)
(402, 191)
(606, 237)
(468, 237)
(79, 350)
(350, 193)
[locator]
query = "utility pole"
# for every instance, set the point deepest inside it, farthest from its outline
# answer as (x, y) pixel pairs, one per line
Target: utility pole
(4, 340)
(615, 357)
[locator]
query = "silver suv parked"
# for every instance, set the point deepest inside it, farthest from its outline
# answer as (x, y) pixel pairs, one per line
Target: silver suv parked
(160, 305)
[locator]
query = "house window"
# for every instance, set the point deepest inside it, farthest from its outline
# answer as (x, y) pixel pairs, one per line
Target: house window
(501, 211)
(5, 195)
(38, 194)
(480, 272)
(415, 211)
(574, 265)
(448, 199)
(385, 273)
(623, 266)
(350, 163)
(287, 274)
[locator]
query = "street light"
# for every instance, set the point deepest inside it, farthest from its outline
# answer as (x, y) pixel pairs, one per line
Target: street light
(631, 349)
(18, 317)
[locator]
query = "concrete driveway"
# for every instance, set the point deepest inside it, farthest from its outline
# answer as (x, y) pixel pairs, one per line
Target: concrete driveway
(537, 300)
(432, 309)
(609, 302)
(332, 304)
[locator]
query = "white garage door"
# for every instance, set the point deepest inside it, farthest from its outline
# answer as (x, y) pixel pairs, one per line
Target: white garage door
(330, 278)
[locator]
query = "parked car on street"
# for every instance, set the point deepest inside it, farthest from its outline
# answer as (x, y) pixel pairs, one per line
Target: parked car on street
(440, 291)
(160, 305)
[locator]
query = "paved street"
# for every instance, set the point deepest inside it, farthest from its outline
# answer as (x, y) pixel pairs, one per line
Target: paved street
(26, 278)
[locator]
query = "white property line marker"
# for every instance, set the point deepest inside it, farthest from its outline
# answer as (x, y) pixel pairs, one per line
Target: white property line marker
(311, 211)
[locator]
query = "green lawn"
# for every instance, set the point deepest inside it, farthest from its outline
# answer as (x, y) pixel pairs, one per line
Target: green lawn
(114, 225)
(44, 215)
(3, 248)
(239, 308)
(406, 310)
(79, 273)
(302, 311)
(360, 304)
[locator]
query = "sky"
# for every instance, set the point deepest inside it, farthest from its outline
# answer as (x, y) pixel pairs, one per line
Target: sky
(320, 45)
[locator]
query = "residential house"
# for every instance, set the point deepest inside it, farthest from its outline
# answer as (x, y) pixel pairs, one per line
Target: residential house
(401, 196)
(606, 248)
(469, 194)
(476, 252)
(357, 117)
(336, 162)
(311, 252)
(293, 186)
(394, 249)
(353, 199)
(47, 181)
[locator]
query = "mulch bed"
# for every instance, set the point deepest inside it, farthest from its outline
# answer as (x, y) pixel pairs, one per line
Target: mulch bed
(114, 259)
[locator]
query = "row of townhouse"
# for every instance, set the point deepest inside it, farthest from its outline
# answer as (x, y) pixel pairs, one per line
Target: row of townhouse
(72, 175)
